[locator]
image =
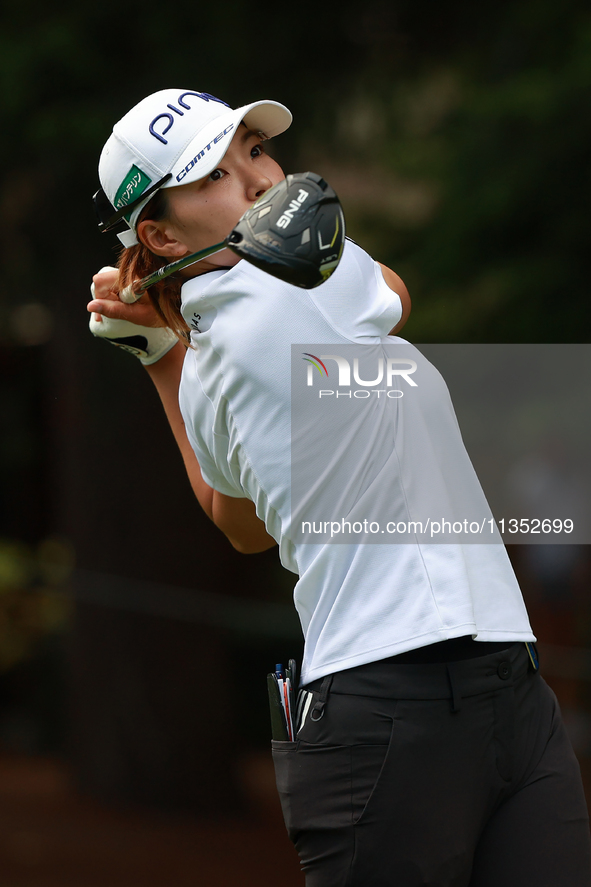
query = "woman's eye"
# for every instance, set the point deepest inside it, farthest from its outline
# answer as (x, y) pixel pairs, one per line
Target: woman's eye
(216, 174)
(257, 150)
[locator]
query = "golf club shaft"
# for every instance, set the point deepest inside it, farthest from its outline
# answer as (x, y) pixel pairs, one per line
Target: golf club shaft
(132, 293)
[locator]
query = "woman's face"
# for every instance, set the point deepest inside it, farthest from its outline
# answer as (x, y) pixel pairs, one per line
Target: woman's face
(204, 212)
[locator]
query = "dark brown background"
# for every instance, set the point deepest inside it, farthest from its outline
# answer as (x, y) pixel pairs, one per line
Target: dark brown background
(133, 640)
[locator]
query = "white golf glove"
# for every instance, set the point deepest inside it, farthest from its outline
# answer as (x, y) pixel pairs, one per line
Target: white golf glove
(147, 343)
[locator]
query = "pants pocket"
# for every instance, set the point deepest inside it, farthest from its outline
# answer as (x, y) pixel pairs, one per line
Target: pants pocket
(314, 785)
(325, 787)
(367, 764)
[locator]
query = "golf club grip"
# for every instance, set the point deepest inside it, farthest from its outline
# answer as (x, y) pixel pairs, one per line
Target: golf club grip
(135, 291)
(128, 295)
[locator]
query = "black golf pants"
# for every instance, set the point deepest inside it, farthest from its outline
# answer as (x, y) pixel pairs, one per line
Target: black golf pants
(456, 774)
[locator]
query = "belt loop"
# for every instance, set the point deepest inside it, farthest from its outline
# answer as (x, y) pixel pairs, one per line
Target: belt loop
(318, 707)
(456, 696)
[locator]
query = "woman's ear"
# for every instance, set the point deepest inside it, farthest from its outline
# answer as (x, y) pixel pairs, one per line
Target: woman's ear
(159, 239)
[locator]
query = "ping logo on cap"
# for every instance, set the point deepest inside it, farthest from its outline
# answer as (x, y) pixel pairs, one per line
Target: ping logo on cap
(132, 186)
(205, 96)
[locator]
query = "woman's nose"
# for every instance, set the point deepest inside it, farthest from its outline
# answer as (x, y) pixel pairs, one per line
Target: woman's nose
(257, 186)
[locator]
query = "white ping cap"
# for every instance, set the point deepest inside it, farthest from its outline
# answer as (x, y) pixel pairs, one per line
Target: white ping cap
(178, 133)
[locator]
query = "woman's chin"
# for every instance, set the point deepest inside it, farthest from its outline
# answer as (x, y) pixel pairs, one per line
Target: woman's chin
(224, 259)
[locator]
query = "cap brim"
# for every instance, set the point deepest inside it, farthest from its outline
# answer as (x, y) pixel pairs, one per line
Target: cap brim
(206, 150)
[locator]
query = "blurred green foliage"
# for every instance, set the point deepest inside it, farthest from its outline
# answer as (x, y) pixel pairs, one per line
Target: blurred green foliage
(457, 135)
(33, 598)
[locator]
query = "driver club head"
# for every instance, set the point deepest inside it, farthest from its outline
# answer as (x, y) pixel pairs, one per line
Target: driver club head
(295, 231)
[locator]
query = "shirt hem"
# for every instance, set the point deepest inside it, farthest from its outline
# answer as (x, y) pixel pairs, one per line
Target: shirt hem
(433, 637)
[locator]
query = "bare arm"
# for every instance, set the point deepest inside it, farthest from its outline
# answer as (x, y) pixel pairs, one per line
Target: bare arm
(166, 376)
(397, 284)
(236, 518)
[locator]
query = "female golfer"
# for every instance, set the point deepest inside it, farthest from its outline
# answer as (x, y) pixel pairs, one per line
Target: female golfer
(428, 750)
